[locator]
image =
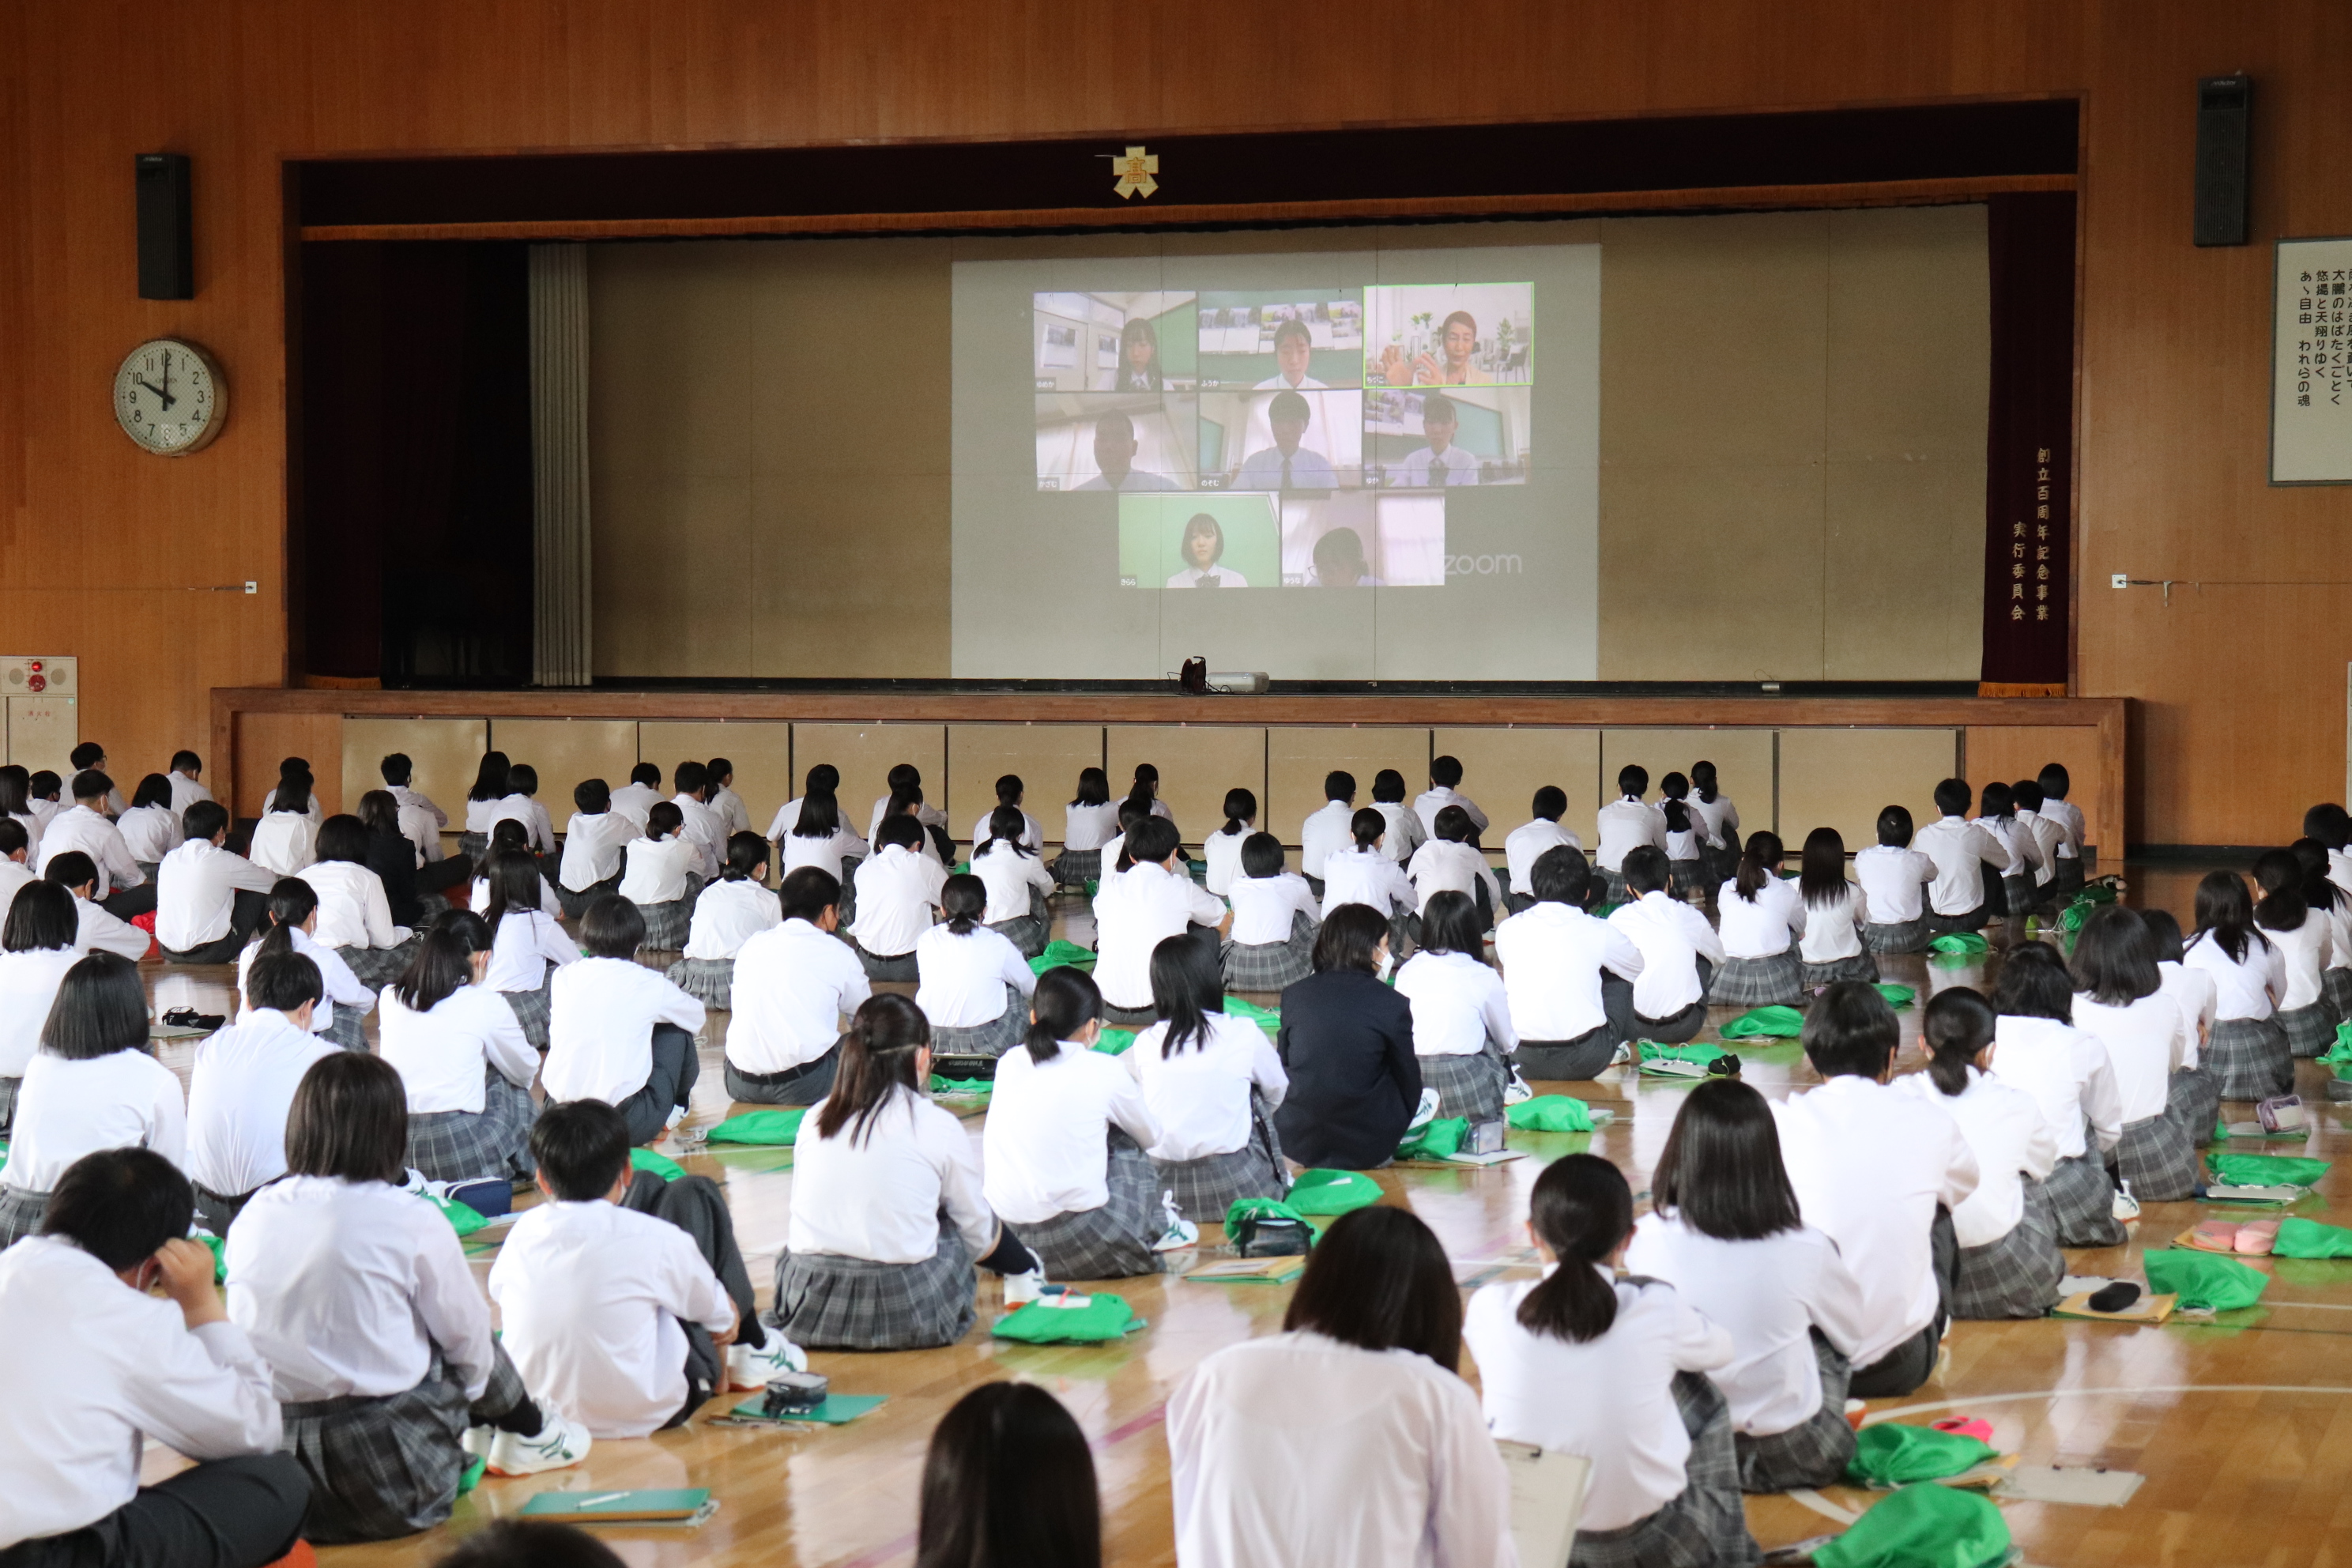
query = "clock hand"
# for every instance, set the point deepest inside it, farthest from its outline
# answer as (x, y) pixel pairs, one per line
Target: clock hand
(155, 389)
(166, 394)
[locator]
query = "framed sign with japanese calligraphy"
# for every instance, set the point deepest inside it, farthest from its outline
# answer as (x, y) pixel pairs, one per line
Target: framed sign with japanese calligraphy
(2311, 363)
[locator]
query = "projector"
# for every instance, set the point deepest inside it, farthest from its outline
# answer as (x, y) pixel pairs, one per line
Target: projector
(1237, 681)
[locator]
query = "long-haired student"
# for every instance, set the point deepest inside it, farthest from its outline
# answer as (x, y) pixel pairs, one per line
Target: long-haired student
(592, 844)
(1996, 815)
(1223, 849)
(1720, 817)
(413, 889)
(16, 806)
(2325, 896)
(1761, 918)
(818, 837)
(527, 944)
(899, 887)
(2304, 944)
(1090, 821)
(2196, 1097)
(36, 949)
(512, 837)
(974, 983)
(150, 828)
(1461, 1019)
(482, 802)
(15, 875)
(1894, 879)
(1680, 952)
(1009, 791)
(1832, 947)
(731, 912)
(1686, 842)
(98, 928)
(1569, 977)
(619, 1032)
(286, 839)
(658, 876)
(243, 1084)
(1135, 911)
(354, 916)
(2248, 1051)
(1212, 1082)
(1276, 916)
(1009, 1479)
(463, 1056)
(2037, 1049)
(290, 916)
(1580, 1361)
(1347, 1042)
(794, 985)
(1018, 882)
(2121, 1003)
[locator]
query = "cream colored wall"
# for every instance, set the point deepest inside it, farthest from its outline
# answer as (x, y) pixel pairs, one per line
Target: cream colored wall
(443, 756)
(866, 753)
(761, 750)
(1843, 778)
(1046, 757)
(564, 752)
(1197, 763)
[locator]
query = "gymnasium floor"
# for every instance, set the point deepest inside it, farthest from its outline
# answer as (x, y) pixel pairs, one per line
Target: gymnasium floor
(2242, 1425)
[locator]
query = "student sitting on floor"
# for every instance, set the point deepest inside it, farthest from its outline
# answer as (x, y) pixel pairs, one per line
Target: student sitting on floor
(354, 917)
(2305, 946)
(1895, 878)
(1719, 818)
(95, 927)
(464, 1058)
(733, 814)
(1064, 1147)
(1996, 815)
(243, 1084)
(1017, 880)
(1406, 833)
(2006, 1264)
(1009, 791)
(1582, 1363)
(420, 819)
(2048, 833)
(1680, 952)
(41, 792)
(520, 804)
(1115, 858)
(1446, 789)
(1212, 1082)
(1524, 843)
(1871, 1167)
(286, 839)
(2067, 869)
(899, 887)
(150, 828)
(593, 843)
(1620, 826)
(527, 945)
(2122, 1005)
(1347, 1042)
(1223, 849)
(658, 876)
(624, 1298)
(1966, 856)
(291, 918)
(1136, 912)
(1832, 947)
(99, 1365)
(123, 890)
(358, 1294)
(1363, 874)
(15, 875)
(1724, 1230)
(636, 799)
(414, 889)
(186, 781)
(975, 985)
(36, 948)
(1461, 1020)
(2037, 1049)
(1009, 1479)
(1348, 1439)
(2318, 892)
(1330, 830)
(2196, 1095)
(1569, 977)
(619, 1032)
(1272, 942)
(482, 802)
(698, 824)
(1091, 819)
(2248, 1051)
(1447, 863)
(16, 806)
(94, 1084)
(819, 839)
(1762, 918)
(729, 912)
(512, 837)
(1685, 846)
(888, 1220)
(906, 797)
(791, 988)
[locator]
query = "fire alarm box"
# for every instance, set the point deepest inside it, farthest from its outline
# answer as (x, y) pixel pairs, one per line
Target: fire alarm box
(40, 697)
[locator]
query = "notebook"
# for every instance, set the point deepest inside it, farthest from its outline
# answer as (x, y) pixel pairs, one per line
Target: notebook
(1546, 1499)
(619, 1506)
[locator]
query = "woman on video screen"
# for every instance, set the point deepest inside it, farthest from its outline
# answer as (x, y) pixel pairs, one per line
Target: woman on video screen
(1202, 546)
(1139, 358)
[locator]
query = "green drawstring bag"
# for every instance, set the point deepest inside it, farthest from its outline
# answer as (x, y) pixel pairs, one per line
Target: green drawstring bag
(661, 1166)
(1551, 1114)
(220, 1256)
(2073, 915)
(2266, 1169)
(1894, 1452)
(2096, 893)
(1104, 1317)
(1960, 943)
(759, 1127)
(1094, 886)
(1898, 996)
(1773, 1023)
(969, 1088)
(1059, 952)
(1699, 1052)
(1268, 1227)
(1327, 1193)
(1114, 1042)
(2309, 1238)
(1266, 1018)
(1922, 1526)
(1605, 911)
(2204, 1279)
(2337, 1058)
(1440, 1140)
(463, 1217)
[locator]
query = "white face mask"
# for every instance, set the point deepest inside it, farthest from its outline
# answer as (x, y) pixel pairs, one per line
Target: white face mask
(1388, 964)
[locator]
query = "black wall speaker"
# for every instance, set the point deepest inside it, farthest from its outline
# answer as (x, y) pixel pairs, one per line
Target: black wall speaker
(2225, 110)
(167, 261)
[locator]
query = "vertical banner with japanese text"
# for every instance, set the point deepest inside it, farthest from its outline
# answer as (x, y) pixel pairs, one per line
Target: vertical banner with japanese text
(2029, 445)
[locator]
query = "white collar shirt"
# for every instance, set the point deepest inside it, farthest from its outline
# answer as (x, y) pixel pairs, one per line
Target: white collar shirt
(418, 800)
(195, 893)
(2198, 997)
(2146, 1041)
(1832, 931)
(525, 944)
(343, 987)
(702, 830)
(634, 801)
(1366, 877)
(1033, 832)
(148, 832)
(1682, 845)
(1960, 849)
(239, 1093)
(1625, 824)
(592, 848)
(969, 980)
(1764, 928)
(1528, 843)
(926, 813)
(655, 869)
(536, 822)
(2014, 841)
(15, 877)
(1894, 883)
(2246, 989)
(2304, 952)
(98, 930)
(1672, 937)
(880, 1196)
(1263, 908)
(1719, 817)
(28, 986)
(600, 1028)
(185, 792)
(2047, 834)
(284, 842)
(2069, 1074)
(1458, 1005)
(352, 910)
(1453, 467)
(91, 833)
(1200, 1097)
(1135, 914)
(1223, 850)
(898, 889)
(66, 1108)
(794, 985)
(2012, 1145)
(2339, 925)
(1089, 826)
(417, 826)
(825, 854)
(1404, 833)
(1436, 798)
(1323, 834)
(1551, 956)
(1011, 877)
(1442, 866)
(441, 1053)
(732, 813)
(1045, 1149)
(728, 915)
(1215, 576)
(2069, 817)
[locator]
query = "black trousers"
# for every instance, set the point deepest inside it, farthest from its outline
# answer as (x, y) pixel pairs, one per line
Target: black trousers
(247, 908)
(1682, 1027)
(440, 876)
(803, 1084)
(231, 1513)
(696, 1206)
(1907, 1365)
(129, 903)
(1576, 1060)
(674, 1070)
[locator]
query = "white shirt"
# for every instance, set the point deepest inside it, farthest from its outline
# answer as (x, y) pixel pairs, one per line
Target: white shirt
(825, 854)
(634, 800)
(185, 792)
(1263, 907)
(1765, 928)
(704, 830)
(1894, 883)
(2048, 835)
(2247, 990)
(1223, 850)
(732, 813)
(1672, 937)
(1404, 833)
(898, 889)
(15, 877)
(1528, 843)
(412, 800)
(2069, 816)
(1044, 1148)
(1551, 956)
(2069, 1075)
(417, 827)
(533, 816)
(592, 848)
(1428, 466)
(346, 1287)
(1682, 845)
(1436, 798)
(1609, 1399)
(728, 915)
(440, 1052)
(1869, 1167)
(239, 1093)
(794, 985)
(90, 832)
(1009, 876)
(880, 1196)
(590, 1295)
(28, 985)
(1089, 826)
(1200, 1097)
(2145, 1042)
(1458, 1005)
(2198, 997)
(549, 904)
(352, 910)
(32, 826)
(1323, 834)
(1441, 866)
(1832, 931)
(1366, 877)
(1768, 1295)
(657, 869)
(2011, 1141)
(1195, 577)
(126, 1099)
(526, 942)
(343, 987)
(1135, 914)
(2304, 953)
(963, 977)
(1297, 1451)
(195, 893)
(96, 930)
(95, 1368)
(600, 1025)
(1960, 849)
(1626, 823)
(284, 842)
(2015, 839)
(1033, 832)
(148, 832)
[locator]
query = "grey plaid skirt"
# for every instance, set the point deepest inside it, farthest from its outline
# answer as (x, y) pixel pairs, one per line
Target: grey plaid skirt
(2157, 1158)
(534, 1009)
(2335, 990)
(1758, 982)
(1861, 967)
(1077, 867)
(671, 922)
(473, 1146)
(1705, 1525)
(1814, 1452)
(1611, 885)
(1470, 1085)
(2309, 1030)
(8, 1087)
(825, 1302)
(1272, 966)
(344, 1028)
(2066, 876)
(1904, 936)
(2251, 1058)
(1028, 933)
(2082, 1200)
(709, 980)
(2016, 1277)
(382, 1467)
(1686, 881)
(1111, 1242)
(993, 1038)
(2194, 1100)
(20, 1214)
(377, 967)
(474, 846)
(1205, 1188)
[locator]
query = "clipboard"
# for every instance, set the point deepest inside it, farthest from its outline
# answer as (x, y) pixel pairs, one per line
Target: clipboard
(682, 1506)
(1547, 1502)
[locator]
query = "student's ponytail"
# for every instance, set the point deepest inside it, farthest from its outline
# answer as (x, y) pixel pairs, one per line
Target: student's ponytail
(747, 852)
(1006, 826)
(1241, 805)
(965, 898)
(444, 963)
(1957, 1027)
(877, 1059)
(1366, 827)
(1066, 1001)
(1583, 1210)
(1702, 778)
(1760, 865)
(292, 900)
(1677, 816)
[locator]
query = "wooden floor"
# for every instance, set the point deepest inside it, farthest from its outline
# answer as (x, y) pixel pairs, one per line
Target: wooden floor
(2243, 1426)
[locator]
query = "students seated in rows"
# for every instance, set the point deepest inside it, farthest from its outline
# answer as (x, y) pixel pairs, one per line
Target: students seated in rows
(1894, 879)
(1582, 1363)
(290, 920)
(658, 876)
(1088, 825)
(42, 790)
(1725, 1231)
(1448, 863)
(2304, 944)
(527, 945)
(96, 929)
(905, 782)
(1461, 1020)
(286, 839)
(733, 814)
(2037, 1049)
(1620, 826)
(1363, 874)
(17, 807)
(699, 825)
(2006, 1264)
(186, 781)
(1762, 918)
(819, 839)
(1009, 793)
(1330, 830)
(1009, 1479)
(36, 948)
(1132, 810)
(619, 1032)
(2068, 867)
(1349, 1437)
(594, 842)
(354, 917)
(1444, 790)
(463, 1056)
(2012, 891)
(1212, 1083)
(358, 1295)
(1525, 842)
(99, 1364)
(2248, 1051)
(1569, 977)
(420, 819)
(1135, 912)
(1406, 833)
(207, 901)
(123, 890)
(1276, 916)
(94, 1084)
(2321, 895)
(1347, 1042)
(729, 912)
(1685, 849)
(15, 873)
(1966, 856)
(1870, 1165)
(1223, 849)
(975, 985)
(2121, 1003)
(1831, 946)
(899, 887)
(243, 1083)
(933, 840)
(1680, 952)
(150, 828)
(624, 1299)
(887, 1217)
(2049, 834)
(636, 798)
(793, 986)
(414, 888)
(2195, 1094)
(1017, 882)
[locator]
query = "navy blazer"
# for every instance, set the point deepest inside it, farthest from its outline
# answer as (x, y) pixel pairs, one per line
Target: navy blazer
(1347, 1043)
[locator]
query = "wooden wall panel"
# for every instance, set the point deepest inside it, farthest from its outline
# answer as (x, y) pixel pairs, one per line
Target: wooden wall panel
(1742, 759)
(866, 753)
(1297, 760)
(444, 754)
(2014, 755)
(1046, 757)
(565, 750)
(1502, 770)
(1843, 778)
(1197, 763)
(264, 740)
(761, 750)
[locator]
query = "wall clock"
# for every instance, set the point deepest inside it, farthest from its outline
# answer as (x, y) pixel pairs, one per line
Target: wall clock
(169, 397)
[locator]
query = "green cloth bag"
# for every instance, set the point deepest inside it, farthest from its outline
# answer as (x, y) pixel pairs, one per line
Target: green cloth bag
(1893, 1452)
(1438, 1141)
(1697, 1051)
(2266, 1169)
(2309, 1238)
(977, 1087)
(1772, 1023)
(1327, 1192)
(759, 1127)
(2204, 1279)
(1059, 952)
(1605, 911)
(463, 1217)
(1898, 996)
(1261, 1208)
(1551, 1114)
(1104, 1317)
(219, 1247)
(1922, 1526)
(1959, 942)
(661, 1166)
(1266, 1018)
(1114, 1042)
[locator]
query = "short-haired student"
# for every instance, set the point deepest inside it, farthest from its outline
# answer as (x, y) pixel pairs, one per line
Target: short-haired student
(1405, 831)
(658, 876)
(286, 840)
(1624, 823)
(905, 782)
(1157, 898)
(2037, 1047)
(1719, 818)
(699, 825)
(794, 985)
(98, 928)
(1968, 860)
(1525, 843)
(242, 1086)
(207, 901)
(36, 948)
(1347, 1042)
(185, 780)
(634, 799)
(1725, 1231)
(359, 1296)
(1461, 1020)
(1363, 874)
(1212, 1082)
(899, 887)
(1010, 790)
(123, 889)
(463, 1056)
(593, 841)
(731, 912)
(1449, 862)
(16, 806)
(2067, 866)
(2011, 893)
(732, 813)
(1088, 823)
(101, 1364)
(887, 1217)
(1328, 829)
(1580, 1361)
(1680, 952)
(2248, 1051)
(291, 919)
(15, 875)
(1276, 916)
(2120, 1002)
(621, 1032)
(354, 916)
(1831, 946)
(1895, 878)
(420, 819)
(974, 984)
(1761, 917)
(1446, 789)
(1569, 977)
(150, 828)
(1018, 882)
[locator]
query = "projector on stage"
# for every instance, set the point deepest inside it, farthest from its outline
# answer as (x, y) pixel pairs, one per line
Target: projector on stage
(1237, 681)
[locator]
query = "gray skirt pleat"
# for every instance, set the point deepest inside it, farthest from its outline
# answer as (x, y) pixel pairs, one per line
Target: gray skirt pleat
(1814, 1452)
(2156, 1156)
(2082, 1200)
(1206, 1189)
(1904, 936)
(1861, 967)
(2250, 1059)
(1270, 966)
(1114, 1241)
(1758, 982)
(709, 980)
(993, 1038)
(827, 1301)
(2017, 1276)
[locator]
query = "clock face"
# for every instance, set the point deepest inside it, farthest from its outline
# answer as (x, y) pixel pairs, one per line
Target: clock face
(168, 398)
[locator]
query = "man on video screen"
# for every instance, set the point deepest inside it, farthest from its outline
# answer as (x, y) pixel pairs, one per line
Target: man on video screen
(1293, 346)
(1441, 462)
(1339, 561)
(1114, 448)
(1285, 465)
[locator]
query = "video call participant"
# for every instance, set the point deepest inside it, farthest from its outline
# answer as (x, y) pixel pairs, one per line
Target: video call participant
(1441, 462)
(1202, 546)
(1339, 561)
(1139, 358)
(1293, 347)
(1285, 465)
(1458, 337)
(1114, 448)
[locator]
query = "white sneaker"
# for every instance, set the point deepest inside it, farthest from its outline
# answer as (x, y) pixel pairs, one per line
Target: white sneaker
(747, 1368)
(1425, 1113)
(1519, 1091)
(478, 1441)
(677, 1115)
(2127, 1207)
(1020, 1289)
(1178, 1233)
(559, 1445)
